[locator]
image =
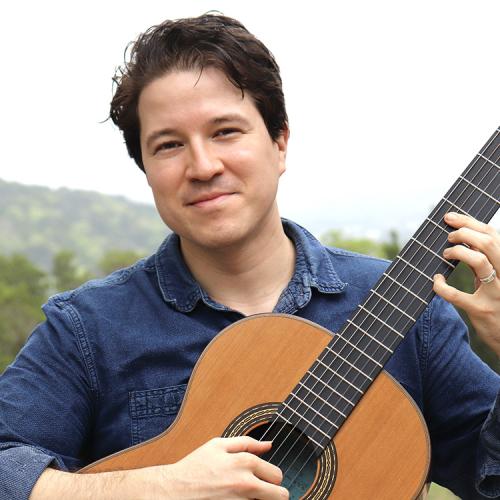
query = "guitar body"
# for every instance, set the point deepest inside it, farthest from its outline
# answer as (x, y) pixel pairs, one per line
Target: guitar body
(381, 451)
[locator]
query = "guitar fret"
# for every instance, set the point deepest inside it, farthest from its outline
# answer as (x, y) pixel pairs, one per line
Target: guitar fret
(407, 289)
(366, 333)
(382, 321)
(336, 372)
(415, 268)
(479, 189)
(395, 307)
(322, 399)
(456, 206)
(331, 388)
(433, 252)
(314, 409)
(360, 350)
(437, 225)
(288, 407)
(328, 348)
(488, 160)
(340, 376)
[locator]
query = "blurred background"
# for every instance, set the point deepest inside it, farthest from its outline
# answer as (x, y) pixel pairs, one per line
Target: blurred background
(388, 102)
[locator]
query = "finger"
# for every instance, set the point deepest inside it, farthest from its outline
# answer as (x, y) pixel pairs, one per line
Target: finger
(266, 477)
(477, 261)
(267, 471)
(451, 294)
(245, 443)
(489, 244)
(267, 491)
(456, 220)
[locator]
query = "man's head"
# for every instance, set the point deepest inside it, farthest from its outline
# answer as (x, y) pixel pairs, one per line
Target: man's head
(208, 41)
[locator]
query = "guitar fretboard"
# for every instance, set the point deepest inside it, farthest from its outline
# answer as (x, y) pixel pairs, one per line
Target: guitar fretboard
(331, 388)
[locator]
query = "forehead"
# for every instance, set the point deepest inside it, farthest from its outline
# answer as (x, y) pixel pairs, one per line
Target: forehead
(194, 95)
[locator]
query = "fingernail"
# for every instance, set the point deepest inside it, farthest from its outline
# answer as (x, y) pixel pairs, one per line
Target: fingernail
(451, 216)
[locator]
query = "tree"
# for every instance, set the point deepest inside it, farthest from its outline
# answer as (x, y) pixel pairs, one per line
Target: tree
(117, 259)
(336, 238)
(392, 247)
(65, 271)
(23, 288)
(462, 278)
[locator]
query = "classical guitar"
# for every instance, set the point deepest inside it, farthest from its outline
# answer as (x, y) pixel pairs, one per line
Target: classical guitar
(341, 426)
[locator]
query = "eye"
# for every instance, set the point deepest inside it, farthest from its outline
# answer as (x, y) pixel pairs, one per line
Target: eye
(167, 146)
(226, 132)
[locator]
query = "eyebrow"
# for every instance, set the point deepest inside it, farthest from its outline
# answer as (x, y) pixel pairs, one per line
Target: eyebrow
(218, 120)
(229, 118)
(156, 135)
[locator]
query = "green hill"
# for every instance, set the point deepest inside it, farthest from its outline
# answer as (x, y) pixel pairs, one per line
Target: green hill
(39, 222)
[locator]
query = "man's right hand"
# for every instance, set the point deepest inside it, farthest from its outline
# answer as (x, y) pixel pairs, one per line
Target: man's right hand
(222, 468)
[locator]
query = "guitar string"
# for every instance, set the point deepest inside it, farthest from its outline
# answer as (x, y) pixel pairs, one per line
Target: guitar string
(436, 210)
(494, 209)
(298, 455)
(311, 454)
(425, 240)
(416, 253)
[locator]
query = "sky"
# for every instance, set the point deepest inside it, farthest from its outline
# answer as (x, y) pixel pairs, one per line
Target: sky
(388, 101)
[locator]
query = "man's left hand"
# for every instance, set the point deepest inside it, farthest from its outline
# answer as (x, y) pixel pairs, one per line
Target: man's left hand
(482, 255)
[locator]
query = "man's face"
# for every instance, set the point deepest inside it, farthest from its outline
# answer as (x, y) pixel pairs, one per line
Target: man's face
(209, 159)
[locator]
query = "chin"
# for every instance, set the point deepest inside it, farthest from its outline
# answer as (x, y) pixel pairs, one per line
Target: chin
(218, 237)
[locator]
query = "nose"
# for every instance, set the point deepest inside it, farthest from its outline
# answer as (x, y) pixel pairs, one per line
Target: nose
(203, 165)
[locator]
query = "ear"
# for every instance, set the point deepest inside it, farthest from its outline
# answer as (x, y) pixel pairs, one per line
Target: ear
(282, 143)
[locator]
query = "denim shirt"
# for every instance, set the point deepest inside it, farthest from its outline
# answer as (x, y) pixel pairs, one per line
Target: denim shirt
(109, 366)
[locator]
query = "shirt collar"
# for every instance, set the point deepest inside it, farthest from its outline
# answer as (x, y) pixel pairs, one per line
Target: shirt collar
(313, 269)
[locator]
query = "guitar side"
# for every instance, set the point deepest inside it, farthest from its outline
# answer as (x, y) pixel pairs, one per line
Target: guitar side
(382, 450)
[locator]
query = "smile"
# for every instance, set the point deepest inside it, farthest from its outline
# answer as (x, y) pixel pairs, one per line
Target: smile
(210, 200)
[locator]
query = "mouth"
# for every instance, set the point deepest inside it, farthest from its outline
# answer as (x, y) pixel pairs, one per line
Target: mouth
(209, 200)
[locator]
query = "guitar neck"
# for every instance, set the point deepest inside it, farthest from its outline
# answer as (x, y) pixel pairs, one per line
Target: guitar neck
(351, 361)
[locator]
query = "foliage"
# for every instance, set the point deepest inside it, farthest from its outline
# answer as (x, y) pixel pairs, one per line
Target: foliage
(23, 288)
(392, 247)
(336, 238)
(39, 222)
(437, 492)
(66, 273)
(461, 278)
(117, 259)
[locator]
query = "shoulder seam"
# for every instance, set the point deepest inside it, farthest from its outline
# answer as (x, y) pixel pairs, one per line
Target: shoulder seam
(83, 344)
(116, 278)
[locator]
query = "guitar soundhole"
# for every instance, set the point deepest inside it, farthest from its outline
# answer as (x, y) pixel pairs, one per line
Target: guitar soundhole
(292, 453)
(305, 475)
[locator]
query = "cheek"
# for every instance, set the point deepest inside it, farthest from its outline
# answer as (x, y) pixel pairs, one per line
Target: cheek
(252, 160)
(163, 179)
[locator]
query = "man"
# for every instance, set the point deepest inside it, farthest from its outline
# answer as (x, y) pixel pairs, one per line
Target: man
(202, 112)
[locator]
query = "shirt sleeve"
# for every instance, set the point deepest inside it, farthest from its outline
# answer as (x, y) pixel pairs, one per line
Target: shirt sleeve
(460, 410)
(489, 462)
(46, 405)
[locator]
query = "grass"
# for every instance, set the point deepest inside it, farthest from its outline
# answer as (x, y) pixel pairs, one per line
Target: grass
(437, 492)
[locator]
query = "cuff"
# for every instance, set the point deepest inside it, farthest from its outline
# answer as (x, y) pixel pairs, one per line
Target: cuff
(20, 468)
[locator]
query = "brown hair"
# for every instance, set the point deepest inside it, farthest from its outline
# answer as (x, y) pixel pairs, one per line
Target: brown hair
(209, 40)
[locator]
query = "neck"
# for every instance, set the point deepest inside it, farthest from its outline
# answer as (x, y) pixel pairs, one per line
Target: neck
(249, 276)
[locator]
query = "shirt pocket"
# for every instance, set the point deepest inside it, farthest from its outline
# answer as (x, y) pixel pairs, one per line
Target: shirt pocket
(153, 410)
